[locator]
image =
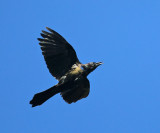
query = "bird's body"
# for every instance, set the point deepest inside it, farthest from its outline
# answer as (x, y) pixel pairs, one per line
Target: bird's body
(63, 64)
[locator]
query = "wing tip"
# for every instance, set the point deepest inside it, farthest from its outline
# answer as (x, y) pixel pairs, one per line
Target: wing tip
(49, 29)
(40, 39)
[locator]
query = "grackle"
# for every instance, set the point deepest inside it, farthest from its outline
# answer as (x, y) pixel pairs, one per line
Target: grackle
(63, 64)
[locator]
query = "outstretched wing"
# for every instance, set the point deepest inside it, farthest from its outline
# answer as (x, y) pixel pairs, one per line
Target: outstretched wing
(77, 90)
(58, 53)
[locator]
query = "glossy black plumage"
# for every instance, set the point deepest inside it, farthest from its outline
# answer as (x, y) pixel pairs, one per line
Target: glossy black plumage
(58, 53)
(63, 64)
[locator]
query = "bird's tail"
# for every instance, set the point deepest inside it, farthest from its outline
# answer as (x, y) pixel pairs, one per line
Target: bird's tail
(41, 97)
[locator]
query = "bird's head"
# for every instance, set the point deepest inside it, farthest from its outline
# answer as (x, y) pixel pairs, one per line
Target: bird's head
(89, 67)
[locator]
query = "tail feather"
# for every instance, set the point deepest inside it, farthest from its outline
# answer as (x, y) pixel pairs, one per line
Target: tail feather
(41, 97)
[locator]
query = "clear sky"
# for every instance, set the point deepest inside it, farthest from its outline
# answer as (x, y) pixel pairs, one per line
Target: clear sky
(125, 90)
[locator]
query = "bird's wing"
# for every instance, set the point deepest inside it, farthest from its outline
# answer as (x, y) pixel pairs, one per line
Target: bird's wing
(77, 90)
(58, 53)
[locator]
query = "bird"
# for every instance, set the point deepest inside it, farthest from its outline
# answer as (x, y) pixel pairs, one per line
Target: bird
(64, 65)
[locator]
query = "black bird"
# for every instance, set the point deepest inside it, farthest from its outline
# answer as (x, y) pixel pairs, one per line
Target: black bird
(63, 64)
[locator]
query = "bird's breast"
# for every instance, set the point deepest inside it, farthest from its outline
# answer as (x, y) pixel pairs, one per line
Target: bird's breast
(76, 70)
(73, 74)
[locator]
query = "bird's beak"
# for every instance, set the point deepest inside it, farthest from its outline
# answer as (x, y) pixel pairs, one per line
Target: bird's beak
(99, 63)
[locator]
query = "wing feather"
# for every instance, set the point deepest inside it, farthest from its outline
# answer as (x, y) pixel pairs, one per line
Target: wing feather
(77, 90)
(58, 53)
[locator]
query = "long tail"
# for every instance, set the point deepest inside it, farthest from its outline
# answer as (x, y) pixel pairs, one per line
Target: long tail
(41, 97)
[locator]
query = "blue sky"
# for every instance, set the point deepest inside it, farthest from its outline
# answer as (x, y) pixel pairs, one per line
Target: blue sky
(125, 90)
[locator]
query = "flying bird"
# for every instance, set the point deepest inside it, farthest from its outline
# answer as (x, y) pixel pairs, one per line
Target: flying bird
(63, 64)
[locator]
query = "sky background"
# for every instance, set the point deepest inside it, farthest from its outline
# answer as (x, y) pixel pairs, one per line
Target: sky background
(125, 90)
